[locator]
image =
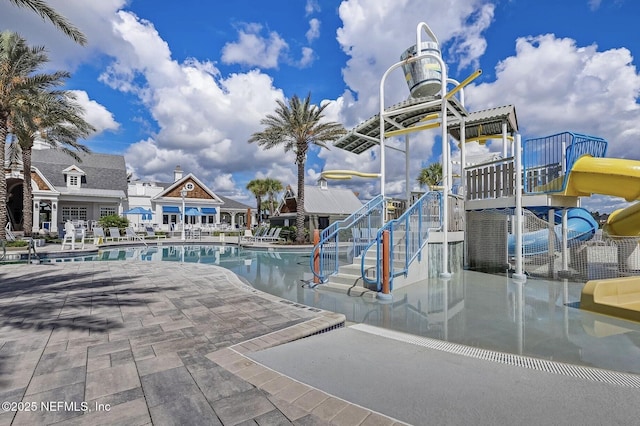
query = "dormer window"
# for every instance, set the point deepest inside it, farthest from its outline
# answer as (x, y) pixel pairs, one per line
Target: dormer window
(74, 176)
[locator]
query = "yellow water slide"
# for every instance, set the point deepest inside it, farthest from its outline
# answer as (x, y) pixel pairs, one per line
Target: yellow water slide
(609, 176)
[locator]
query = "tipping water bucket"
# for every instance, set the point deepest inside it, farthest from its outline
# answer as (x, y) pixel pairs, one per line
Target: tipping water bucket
(424, 75)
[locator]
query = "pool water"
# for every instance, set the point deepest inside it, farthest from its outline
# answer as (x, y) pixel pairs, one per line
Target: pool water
(538, 318)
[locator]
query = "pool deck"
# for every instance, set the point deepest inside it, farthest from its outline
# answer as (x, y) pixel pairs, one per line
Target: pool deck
(175, 343)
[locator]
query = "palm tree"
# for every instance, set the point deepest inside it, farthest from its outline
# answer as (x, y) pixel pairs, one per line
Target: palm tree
(431, 175)
(259, 190)
(56, 119)
(297, 126)
(47, 12)
(273, 186)
(18, 81)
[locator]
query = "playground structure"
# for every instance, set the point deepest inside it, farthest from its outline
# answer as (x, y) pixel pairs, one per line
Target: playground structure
(518, 212)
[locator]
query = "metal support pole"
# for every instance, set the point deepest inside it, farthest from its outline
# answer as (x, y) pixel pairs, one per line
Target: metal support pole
(316, 256)
(565, 241)
(406, 170)
(385, 294)
(519, 275)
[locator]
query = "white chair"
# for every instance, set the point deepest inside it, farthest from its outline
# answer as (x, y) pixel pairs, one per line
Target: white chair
(98, 235)
(114, 234)
(70, 236)
(130, 235)
(152, 234)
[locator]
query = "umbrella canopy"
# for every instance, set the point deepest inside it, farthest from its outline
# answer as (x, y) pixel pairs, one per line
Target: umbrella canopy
(193, 212)
(138, 210)
(144, 213)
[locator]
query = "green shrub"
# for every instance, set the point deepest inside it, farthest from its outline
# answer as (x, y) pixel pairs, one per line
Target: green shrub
(113, 221)
(17, 243)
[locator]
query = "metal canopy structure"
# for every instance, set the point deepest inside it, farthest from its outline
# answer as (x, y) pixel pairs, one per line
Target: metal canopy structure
(399, 116)
(486, 123)
(478, 124)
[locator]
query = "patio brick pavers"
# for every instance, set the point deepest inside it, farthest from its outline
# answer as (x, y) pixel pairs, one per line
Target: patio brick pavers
(157, 343)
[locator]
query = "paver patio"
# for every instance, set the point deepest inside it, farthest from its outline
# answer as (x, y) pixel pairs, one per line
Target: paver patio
(152, 343)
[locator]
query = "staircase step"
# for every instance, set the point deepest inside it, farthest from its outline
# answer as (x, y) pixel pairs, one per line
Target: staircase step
(349, 289)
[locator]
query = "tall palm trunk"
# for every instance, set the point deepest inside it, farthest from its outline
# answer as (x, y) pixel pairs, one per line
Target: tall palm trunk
(4, 117)
(27, 203)
(300, 203)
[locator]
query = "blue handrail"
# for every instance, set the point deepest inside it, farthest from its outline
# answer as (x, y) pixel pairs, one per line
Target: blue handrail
(547, 161)
(330, 236)
(424, 215)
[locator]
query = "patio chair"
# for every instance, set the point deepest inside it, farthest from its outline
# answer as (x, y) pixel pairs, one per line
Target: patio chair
(69, 236)
(98, 235)
(194, 233)
(114, 234)
(131, 235)
(268, 234)
(248, 236)
(152, 234)
(275, 236)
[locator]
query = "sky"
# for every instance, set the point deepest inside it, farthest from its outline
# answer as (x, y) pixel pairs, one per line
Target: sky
(186, 83)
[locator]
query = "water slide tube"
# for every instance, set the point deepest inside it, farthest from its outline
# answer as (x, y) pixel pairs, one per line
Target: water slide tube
(581, 226)
(609, 176)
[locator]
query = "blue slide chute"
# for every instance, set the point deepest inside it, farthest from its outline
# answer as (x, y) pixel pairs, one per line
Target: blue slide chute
(581, 226)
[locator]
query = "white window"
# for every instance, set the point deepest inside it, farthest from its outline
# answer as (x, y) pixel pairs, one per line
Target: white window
(74, 180)
(74, 213)
(107, 211)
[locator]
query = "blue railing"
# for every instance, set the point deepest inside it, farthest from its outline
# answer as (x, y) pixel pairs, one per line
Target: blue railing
(424, 215)
(547, 161)
(355, 227)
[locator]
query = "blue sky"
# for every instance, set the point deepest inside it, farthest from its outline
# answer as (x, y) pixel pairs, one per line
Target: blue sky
(186, 83)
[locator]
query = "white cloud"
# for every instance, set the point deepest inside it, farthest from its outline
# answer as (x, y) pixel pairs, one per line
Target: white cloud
(311, 6)
(252, 49)
(559, 86)
(308, 57)
(95, 114)
(314, 30)
(594, 4)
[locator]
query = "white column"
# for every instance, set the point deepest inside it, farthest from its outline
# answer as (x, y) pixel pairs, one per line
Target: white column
(35, 227)
(54, 216)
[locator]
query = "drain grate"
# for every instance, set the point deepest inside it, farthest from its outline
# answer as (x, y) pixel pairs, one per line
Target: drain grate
(577, 371)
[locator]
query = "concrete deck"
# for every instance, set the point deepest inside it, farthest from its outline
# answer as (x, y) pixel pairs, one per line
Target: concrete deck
(137, 343)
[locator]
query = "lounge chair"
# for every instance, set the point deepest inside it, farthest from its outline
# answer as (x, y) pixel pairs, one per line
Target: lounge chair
(275, 236)
(152, 234)
(114, 234)
(267, 234)
(98, 235)
(132, 236)
(248, 236)
(194, 233)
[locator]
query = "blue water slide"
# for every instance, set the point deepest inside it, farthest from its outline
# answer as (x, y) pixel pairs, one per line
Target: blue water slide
(581, 226)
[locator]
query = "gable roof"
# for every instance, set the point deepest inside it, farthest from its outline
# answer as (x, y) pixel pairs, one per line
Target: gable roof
(233, 204)
(106, 172)
(200, 192)
(329, 200)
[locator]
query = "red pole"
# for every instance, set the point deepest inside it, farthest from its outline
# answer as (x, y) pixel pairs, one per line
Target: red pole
(316, 256)
(386, 273)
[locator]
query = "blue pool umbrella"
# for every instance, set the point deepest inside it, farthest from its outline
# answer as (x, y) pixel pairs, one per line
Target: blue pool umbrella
(138, 210)
(144, 213)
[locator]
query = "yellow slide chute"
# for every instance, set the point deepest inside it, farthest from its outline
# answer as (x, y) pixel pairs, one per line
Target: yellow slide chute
(609, 176)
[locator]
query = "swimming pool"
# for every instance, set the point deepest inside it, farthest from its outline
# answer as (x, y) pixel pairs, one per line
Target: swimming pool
(537, 319)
